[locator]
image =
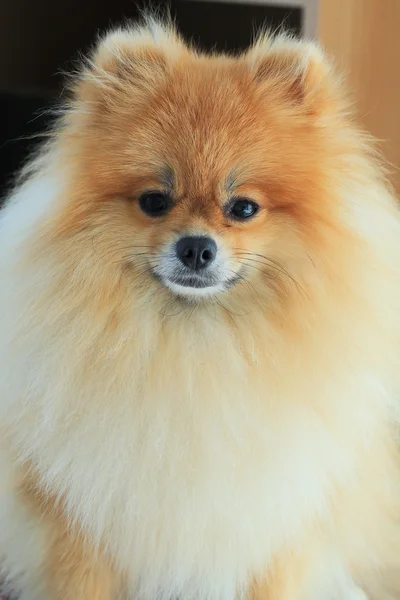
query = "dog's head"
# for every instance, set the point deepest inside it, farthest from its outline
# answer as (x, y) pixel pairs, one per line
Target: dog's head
(207, 175)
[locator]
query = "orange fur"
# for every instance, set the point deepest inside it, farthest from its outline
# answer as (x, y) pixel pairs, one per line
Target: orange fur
(240, 446)
(73, 570)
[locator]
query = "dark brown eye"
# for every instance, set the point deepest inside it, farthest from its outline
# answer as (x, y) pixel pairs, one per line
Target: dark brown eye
(242, 209)
(155, 204)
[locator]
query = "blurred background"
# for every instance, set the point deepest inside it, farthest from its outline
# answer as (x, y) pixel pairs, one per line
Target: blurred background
(39, 39)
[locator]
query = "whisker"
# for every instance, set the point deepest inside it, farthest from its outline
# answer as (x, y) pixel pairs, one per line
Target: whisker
(273, 267)
(265, 258)
(245, 281)
(141, 273)
(245, 251)
(184, 306)
(270, 263)
(113, 251)
(229, 311)
(110, 253)
(264, 263)
(190, 315)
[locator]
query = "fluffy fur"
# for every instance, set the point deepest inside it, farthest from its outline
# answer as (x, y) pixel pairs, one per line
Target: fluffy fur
(242, 445)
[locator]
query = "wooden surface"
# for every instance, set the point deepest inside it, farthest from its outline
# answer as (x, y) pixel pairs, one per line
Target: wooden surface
(364, 38)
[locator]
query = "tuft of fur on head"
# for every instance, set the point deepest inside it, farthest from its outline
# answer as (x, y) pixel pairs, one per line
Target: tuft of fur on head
(201, 440)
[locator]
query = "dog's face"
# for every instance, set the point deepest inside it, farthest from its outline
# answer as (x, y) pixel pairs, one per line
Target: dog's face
(205, 172)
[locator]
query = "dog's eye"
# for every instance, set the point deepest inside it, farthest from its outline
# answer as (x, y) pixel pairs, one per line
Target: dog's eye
(242, 209)
(155, 204)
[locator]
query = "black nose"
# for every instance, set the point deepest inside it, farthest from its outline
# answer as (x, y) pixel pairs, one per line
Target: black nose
(196, 252)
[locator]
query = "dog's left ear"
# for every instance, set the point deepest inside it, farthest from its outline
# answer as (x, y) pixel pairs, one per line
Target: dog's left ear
(296, 70)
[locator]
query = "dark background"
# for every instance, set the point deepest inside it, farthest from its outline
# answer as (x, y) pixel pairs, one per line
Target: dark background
(40, 39)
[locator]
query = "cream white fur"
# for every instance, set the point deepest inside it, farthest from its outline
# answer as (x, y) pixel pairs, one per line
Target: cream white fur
(166, 468)
(196, 481)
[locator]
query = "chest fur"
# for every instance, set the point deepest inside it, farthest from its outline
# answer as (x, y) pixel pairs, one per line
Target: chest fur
(190, 458)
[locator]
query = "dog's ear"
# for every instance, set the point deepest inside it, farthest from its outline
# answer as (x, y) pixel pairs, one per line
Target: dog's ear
(296, 69)
(128, 61)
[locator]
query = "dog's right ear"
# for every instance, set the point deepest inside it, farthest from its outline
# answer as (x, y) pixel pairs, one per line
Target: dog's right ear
(128, 61)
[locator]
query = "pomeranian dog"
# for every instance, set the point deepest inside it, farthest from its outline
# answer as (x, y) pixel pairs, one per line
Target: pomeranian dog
(200, 336)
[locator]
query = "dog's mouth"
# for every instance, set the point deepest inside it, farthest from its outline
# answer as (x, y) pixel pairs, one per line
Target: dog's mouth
(199, 283)
(199, 286)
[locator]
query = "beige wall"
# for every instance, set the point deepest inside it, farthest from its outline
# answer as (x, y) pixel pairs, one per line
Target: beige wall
(364, 36)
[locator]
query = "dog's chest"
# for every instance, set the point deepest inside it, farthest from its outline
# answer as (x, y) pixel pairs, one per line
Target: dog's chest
(191, 468)
(195, 495)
